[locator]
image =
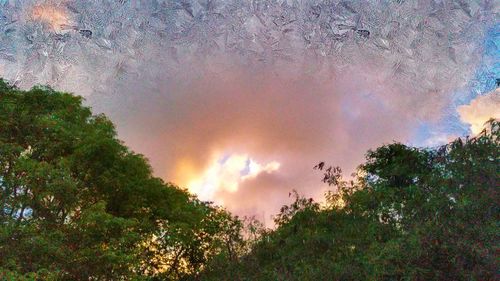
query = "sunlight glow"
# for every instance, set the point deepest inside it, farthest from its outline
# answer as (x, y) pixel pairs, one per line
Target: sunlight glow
(481, 110)
(227, 173)
(53, 16)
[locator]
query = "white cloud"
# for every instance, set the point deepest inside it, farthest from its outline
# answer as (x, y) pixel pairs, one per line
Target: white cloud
(226, 174)
(480, 110)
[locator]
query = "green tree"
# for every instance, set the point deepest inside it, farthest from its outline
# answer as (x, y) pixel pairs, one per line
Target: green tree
(78, 204)
(408, 214)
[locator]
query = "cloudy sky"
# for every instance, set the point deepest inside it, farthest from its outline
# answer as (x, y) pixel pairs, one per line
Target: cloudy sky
(237, 100)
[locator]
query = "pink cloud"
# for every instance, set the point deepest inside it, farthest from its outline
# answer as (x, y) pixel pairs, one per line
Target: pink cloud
(295, 120)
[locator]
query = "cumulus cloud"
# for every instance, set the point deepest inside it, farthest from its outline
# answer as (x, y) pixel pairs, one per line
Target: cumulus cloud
(223, 174)
(480, 110)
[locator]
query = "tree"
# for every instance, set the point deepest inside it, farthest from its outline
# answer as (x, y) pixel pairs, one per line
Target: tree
(78, 204)
(443, 205)
(408, 214)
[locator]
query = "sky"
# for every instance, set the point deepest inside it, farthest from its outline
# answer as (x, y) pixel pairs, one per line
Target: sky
(237, 100)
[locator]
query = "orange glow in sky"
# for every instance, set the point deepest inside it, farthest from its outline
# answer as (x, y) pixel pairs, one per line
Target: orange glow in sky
(54, 16)
(480, 110)
(224, 173)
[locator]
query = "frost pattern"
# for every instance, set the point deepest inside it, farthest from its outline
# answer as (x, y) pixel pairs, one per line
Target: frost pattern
(429, 45)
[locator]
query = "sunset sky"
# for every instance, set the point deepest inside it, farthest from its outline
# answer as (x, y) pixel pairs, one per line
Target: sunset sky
(237, 100)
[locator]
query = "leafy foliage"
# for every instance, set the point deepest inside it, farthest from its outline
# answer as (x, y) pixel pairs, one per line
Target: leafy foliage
(409, 214)
(76, 203)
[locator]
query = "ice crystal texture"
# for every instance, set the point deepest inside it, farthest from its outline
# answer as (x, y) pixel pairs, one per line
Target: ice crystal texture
(83, 45)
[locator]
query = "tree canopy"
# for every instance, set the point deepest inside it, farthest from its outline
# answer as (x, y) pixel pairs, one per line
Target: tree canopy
(76, 204)
(408, 214)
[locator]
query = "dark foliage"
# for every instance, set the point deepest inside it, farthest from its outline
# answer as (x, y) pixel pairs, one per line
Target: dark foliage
(76, 204)
(410, 214)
